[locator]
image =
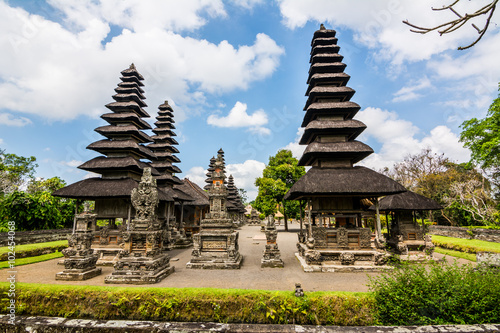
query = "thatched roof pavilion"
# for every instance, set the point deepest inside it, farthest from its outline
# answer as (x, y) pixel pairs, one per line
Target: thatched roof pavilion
(407, 201)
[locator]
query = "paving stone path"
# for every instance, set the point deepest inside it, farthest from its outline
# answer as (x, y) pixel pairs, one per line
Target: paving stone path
(250, 276)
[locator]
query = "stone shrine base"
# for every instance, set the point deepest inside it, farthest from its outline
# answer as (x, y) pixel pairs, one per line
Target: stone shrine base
(140, 270)
(137, 278)
(78, 274)
(205, 262)
(272, 263)
(332, 266)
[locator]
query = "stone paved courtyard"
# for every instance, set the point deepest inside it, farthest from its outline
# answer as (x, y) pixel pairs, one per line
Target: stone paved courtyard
(250, 276)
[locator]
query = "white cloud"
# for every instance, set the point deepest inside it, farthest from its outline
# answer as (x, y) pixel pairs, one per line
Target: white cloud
(72, 163)
(1, 141)
(238, 117)
(197, 175)
(398, 139)
(409, 92)
(248, 4)
(244, 175)
(180, 69)
(10, 120)
(296, 149)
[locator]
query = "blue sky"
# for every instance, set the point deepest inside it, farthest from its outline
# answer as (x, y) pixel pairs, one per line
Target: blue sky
(235, 73)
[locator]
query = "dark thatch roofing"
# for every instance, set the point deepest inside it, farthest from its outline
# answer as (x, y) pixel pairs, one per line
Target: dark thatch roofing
(407, 201)
(355, 181)
(129, 97)
(126, 117)
(98, 188)
(107, 146)
(349, 128)
(112, 132)
(341, 94)
(318, 78)
(127, 106)
(200, 197)
(352, 150)
(101, 163)
(346, 109)
(330, 67)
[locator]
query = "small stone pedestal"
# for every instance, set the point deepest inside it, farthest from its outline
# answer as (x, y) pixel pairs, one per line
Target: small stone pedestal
(80, 262)
(142, 260)
(271, 256)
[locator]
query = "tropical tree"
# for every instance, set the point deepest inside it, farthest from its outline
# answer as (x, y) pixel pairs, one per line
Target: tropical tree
(15, 171)
(277, 178)
(482, 137)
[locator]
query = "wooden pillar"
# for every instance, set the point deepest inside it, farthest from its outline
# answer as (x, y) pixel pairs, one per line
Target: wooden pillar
(300, 215)
(377, 213)
(168, 215)
(129, 216)
(310, 220)
(182, 214)
(77, 203)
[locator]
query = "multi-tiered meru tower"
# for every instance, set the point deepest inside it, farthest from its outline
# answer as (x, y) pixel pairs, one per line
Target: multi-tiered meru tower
(216, 245)
(335, 237)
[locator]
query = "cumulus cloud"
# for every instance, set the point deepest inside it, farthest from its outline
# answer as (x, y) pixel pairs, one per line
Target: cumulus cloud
(75, 71)
(10, 120)
(296, 149)
(197, 175)
(399, 138)
(248, 4)
(410, 92)
(238, 117)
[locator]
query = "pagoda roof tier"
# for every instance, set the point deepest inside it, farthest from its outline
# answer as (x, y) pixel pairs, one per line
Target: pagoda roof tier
(122, 146)
(132, 79)
(323, 41)
(165, 124)
(164, 138)
(170, 169)
(333, 79)
(324, 49)
(200, 197)
(347, 110)
(167, 180)
(327, 67)
(334, 94)
(352, 150)
(130, 85)
(133, 89)
(97, 188)
(126, 118)
(130, 131)
(323, 32)
(180, 195)
(132, 71)
(129, 97)
(127, 107)
(163, 147)
(165, 106)
(102, 163)
(165, 118)
(326, 57)
(352, 181)
(348, 128)
(166, 156)
(407, 201)
(164, 131)
(167, 113)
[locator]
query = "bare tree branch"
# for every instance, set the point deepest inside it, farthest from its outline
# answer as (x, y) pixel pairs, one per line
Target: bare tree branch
(454, 25)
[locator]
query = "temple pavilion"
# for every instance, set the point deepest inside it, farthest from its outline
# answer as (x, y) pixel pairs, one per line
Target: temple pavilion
(126, 155)
(334, 189)
(235, 208)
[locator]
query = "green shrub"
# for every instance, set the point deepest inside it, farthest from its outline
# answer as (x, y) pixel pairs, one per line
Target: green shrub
(465, 245)
(193, 304)
(437, 294)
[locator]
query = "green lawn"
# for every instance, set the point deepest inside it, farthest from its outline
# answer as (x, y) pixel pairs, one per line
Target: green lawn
(465, 245)
(32, 260)
(31, 247)
(456, 254)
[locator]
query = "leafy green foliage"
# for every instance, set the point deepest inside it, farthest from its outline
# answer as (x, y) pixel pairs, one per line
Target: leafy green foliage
(277, 178)
(456, 254)
(438, 294)
(14, 171)
(36, 211)
(482, 137)
(193, 304)
(32, 260)
(32, 250)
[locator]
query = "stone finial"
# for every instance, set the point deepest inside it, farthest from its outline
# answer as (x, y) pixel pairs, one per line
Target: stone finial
(299, 292)
(132, 66)
(322, 27)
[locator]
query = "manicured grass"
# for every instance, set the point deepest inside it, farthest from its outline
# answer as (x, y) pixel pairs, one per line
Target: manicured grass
(193, 304)
(30, 247)
(32, 260)
(465, 245)
(456, 254)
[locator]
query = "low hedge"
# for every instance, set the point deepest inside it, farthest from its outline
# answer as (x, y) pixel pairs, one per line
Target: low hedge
(193, 304)
(33, 250)
(465, 245)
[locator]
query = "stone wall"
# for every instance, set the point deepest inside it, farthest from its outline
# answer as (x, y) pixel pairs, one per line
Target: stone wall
(459, 232)
(63, 325)
(36, 236)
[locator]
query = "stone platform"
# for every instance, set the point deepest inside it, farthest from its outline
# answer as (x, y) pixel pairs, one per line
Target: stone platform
(332, 266)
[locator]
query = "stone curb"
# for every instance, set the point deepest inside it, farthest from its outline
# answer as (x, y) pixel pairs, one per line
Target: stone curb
(63, 325)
